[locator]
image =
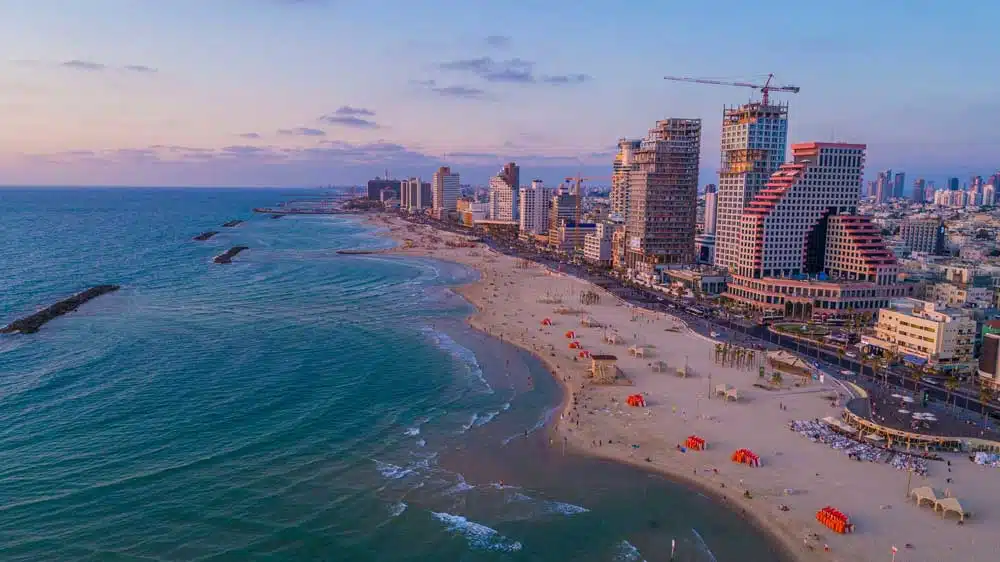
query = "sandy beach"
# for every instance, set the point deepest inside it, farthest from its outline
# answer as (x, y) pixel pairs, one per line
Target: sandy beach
(796, 477)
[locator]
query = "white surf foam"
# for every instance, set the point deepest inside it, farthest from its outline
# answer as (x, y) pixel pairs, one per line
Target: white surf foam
(396, 509)
(460, 486)
(548, 506)
(505, 407)
(461, 354)
(701, 544)
(486, 418)
(476, 534)
(391, 471)
(412, 431)
(627, 552)
(421, 442)
(472, 421)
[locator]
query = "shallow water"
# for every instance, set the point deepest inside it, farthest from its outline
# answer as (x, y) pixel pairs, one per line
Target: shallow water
(294, 405)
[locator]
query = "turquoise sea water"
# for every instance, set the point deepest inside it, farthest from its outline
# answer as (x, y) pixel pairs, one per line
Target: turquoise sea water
(294, 405)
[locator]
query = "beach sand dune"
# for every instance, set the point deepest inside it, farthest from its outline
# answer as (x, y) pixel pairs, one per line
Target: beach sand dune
(795, 473)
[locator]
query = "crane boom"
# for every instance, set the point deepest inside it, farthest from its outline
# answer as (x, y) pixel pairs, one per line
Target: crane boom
(764, 88)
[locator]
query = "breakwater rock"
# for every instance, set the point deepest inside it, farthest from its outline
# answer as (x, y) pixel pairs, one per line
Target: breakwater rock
(232, 223)
(228, 255)
(206, 235)
(359, 252)
(31, 324)
(276, 216)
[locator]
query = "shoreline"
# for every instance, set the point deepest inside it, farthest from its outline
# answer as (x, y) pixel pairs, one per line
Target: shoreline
(797, 476)
(476, 321)
(724, 500)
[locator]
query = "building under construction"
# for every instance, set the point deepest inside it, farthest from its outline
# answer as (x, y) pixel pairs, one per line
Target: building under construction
(663, 196)
(754, 143)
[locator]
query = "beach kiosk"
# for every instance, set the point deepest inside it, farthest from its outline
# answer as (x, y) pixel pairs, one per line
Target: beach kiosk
(603, 369)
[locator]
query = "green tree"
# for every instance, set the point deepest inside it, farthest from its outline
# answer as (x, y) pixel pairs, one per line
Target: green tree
(986, 394)
(951, 385)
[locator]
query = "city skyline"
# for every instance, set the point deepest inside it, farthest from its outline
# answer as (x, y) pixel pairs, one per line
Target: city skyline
(307, 92)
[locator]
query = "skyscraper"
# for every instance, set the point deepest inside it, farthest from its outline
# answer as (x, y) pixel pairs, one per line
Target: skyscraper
(411, 195)
(511, 173)
(952, 184)
(663, 195)
(503, 193)
(883, 186)
(711, 208)
(754, 141)
(897, 185)
(445, 187)
(803, 224)
(919, 185)
(623, 164)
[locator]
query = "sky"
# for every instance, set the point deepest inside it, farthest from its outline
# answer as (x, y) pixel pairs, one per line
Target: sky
(317, 92)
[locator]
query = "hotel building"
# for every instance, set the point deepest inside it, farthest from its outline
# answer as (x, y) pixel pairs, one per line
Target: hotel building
(445, 187)
(803, 253)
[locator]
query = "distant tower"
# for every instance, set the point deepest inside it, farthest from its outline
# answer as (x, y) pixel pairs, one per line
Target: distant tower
(711, 208)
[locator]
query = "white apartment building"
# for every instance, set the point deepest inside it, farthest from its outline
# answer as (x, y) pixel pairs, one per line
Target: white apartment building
(410, 195)
(502, 200)
(597, 244)
(533, 208)
(918, 331)
(754, 143)
(445, 189)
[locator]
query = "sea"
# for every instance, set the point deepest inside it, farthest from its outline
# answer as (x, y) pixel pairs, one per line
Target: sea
(295, 404)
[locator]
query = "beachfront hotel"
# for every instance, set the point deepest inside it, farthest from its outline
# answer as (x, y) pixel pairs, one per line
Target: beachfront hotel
(503, 192)
(802, 251)
(445, 189)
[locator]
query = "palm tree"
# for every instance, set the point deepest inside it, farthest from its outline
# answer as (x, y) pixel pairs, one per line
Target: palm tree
(951, 385)
(840, 356)
(986, 394)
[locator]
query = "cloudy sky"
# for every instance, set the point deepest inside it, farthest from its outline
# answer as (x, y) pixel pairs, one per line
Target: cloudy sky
(307, 92)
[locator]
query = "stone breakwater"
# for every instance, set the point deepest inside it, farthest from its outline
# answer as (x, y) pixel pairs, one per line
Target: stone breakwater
(31, 324)
(232, 223)
(228, 255)
(206, 235)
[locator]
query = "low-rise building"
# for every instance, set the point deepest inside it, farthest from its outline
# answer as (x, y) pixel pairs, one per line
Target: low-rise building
(597, 245)
(569, 236)
(921, 333)
(707, 281)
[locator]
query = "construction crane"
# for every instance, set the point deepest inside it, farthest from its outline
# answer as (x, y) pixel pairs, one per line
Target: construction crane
(764, 88)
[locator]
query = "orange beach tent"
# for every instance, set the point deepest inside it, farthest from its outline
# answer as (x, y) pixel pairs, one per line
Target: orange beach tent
(695, 443)
(747, 457)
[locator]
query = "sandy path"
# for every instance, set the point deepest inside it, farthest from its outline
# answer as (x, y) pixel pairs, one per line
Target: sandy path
(594, 420)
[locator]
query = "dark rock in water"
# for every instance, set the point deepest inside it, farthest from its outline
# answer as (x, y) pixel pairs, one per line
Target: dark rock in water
(31, 324)
(229, 254)
(206, 235)
(232, 223)
(359, 252)
(276, 216)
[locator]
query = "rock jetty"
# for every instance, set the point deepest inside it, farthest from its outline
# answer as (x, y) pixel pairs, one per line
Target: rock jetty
(276, 216)
(229, 254)
(206, 235)
(31, 324)
(232, 223)
(359, 252)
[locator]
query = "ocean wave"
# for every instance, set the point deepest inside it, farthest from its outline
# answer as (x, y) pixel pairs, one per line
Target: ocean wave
(472, 422)
(392, 471)
(412, 431)
(461, 354)
(702, 546)
(421, 442)
(627, 552)
(546, 417)
(397, 508)
(476, 534)
(548, 506)
(505, 407)
(460, 486)
(486, 418)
